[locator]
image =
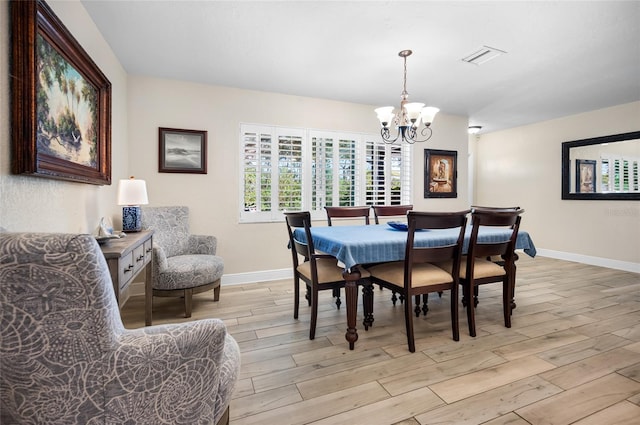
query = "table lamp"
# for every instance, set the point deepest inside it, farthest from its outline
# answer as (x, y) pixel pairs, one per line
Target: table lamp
(132, 193)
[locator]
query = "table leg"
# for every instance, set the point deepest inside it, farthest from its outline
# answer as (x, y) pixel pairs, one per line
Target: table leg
(148, 295)
(351, 294)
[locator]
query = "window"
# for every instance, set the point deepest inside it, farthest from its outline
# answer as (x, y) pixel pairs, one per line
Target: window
(619, 174)
(286, 169)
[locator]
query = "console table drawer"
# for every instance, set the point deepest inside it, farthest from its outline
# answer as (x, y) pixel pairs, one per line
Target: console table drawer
(138, 258)
(126, 270)
(127, 257)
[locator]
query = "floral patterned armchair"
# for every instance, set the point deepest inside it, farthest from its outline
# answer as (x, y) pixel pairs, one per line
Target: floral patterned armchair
(183, 264)
(66, 357)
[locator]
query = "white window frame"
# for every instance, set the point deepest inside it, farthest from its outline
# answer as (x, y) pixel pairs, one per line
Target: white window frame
(359, 198)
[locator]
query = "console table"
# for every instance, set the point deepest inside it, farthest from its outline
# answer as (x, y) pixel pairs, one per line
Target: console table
(127, 257)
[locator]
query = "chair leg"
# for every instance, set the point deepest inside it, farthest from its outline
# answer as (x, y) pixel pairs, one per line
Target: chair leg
(408, 319)
(471, 319)
(506, 300)
(314, 314)
(296, 296)
(425, 306)
(394, 298)
(417, 309)
(455, 327)
(188, 302)
(216, 293)
(336, 294)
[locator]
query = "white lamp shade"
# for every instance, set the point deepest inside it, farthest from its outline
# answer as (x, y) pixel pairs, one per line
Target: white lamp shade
(385, 114)
(413, 110)
(428, 114)
(132, 192)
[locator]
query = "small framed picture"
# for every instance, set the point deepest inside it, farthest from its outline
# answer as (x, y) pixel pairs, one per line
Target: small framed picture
(182, 151)
(585, 176)
(440, 174)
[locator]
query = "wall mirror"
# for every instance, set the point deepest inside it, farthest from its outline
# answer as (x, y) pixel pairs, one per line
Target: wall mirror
(602, 168)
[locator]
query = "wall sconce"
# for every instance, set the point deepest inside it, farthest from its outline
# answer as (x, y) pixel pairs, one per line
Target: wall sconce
(474, 129)
(132, 193)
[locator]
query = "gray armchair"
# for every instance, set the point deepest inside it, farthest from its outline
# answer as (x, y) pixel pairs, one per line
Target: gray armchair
(67, 359)
(183, 264)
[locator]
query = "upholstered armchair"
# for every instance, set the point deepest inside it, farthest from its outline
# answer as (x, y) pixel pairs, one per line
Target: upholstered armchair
(183, 264)
(66, 358)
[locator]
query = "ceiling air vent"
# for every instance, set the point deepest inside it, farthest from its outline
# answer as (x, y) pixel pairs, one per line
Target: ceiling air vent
(483, 55)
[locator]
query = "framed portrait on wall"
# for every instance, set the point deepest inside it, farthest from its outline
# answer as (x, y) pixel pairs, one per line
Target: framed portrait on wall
(440, 173)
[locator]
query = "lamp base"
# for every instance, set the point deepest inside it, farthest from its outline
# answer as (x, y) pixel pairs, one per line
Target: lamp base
(131, 219)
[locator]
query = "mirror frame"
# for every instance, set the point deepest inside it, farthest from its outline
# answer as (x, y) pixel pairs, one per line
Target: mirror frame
(566, 170)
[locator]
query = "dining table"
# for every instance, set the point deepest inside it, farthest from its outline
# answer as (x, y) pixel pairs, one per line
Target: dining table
(356, 246)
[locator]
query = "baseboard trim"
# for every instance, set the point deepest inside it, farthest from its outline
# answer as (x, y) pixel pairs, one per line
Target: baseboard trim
(626, 266)
(137, 288)
(258, 276)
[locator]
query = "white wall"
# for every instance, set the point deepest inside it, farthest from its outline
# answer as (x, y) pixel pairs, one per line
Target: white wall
(214, 197)
(37, 204)
(522, 166)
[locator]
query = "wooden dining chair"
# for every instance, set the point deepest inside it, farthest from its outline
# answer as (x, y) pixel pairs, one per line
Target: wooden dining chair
(497, 258)
(348, 212)
(390, 211)
(477, 268)
(417, 275)
(318, 271)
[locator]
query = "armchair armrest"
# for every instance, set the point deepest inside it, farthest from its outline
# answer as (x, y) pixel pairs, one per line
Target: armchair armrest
(202, 244)
(159, 258)
(170, 371)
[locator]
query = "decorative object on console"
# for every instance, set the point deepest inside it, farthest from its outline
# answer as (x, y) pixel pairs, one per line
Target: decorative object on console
(132, 193)
(407, 120)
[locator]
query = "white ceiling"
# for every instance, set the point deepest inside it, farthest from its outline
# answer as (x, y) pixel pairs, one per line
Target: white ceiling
(563, 57)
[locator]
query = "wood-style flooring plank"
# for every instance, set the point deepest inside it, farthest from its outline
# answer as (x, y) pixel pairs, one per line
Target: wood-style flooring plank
(572, 354)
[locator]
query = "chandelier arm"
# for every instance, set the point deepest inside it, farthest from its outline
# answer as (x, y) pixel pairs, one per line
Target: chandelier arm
(424, 133)
(384, 132)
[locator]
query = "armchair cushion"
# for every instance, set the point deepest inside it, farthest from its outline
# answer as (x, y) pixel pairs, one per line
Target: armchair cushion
(67, 359)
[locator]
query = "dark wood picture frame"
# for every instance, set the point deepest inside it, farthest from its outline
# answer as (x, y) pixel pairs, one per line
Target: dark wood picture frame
(440, 173)
(61, 101)
(182, 151)
(568, 152)
(586, 176)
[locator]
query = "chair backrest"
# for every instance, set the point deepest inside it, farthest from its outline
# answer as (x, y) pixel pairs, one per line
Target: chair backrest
(59, 319)
(390, 211)
(301, 220)
(504, 247)
(346, 212)
(170, 226)
(418, 220)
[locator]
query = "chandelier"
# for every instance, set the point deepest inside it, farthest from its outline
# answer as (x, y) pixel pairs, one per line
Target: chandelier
(408, 119)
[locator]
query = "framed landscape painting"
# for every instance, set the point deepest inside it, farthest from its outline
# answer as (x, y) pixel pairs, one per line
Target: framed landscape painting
(182, 151)
(440, 174)
(61, 116)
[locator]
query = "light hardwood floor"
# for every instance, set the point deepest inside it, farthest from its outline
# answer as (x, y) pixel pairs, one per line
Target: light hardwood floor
(571, 357)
